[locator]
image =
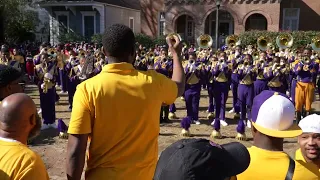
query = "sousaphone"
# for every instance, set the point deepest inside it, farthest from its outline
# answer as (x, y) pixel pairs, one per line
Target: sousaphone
(284, 41)
(204, 41)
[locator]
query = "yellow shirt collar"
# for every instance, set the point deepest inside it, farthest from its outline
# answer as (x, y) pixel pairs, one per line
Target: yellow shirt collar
(299, 155)
(118, 67)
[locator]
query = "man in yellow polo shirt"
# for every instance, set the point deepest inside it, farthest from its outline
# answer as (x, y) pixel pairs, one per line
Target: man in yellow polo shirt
(308, 155)
(272, 121)
(117, 112)
(18, 122)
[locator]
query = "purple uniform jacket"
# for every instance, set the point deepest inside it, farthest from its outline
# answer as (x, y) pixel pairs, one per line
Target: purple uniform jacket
(306, 76)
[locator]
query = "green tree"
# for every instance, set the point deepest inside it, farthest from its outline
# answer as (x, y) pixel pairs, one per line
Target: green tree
(20, 20)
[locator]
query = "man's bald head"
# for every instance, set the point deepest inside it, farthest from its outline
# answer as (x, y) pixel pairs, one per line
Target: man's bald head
(16, 108)
(19, 117)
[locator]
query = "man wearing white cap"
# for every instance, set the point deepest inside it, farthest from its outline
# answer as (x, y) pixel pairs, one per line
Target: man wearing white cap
(308, 155)
(272, 121)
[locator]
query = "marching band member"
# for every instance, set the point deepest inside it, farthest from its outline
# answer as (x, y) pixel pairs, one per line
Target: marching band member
(292, 75)
(45, 73)
(261, 83)
(245, 94)
(210, 85)
(72, 71)
(101, 62)
(221, 88)
(61, 58)
(234, 61)
(6, 59)
(192, 93)
(305, 71)
(17, 57)
(275, 76)
(164, 66)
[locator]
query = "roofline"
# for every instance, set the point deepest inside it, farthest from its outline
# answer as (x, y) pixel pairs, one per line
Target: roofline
(82, 3)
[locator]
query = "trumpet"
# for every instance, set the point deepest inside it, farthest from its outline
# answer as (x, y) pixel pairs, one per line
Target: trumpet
(315, 43)
(151, 55)
(233, 40)
(263, 42)
(142, 53)
(284, 41)
(305, 60)
(171, 38)
(204, 41)
(255, 55)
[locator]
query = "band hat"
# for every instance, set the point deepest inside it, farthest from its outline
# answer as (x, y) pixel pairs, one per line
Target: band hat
(190, 159)
(273, 114)
(310, 124)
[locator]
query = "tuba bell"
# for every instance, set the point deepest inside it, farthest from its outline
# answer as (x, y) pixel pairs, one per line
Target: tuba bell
(170, 38)
(315, 43)
(204, 41)
(263, 42)
(233, 40)
(284, 41)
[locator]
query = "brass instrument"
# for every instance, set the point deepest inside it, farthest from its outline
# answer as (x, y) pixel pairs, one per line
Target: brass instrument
(232, 40)
(52, 52)
(143, 53)
(204, 41)
(185, 45)
(255, 55)
(315, 43)
(151, 55)
(171, 38)
(263, 42)
(284, 41)
(81, 52)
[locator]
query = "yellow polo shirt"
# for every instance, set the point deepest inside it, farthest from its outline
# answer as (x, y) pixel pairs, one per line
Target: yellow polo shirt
(266, 165)
(18, 162)
(120, 109)
(304, 169)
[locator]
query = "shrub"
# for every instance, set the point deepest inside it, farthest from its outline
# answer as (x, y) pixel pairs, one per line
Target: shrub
(70, 37)
(300, 38)
(145, 40)
(96, 38)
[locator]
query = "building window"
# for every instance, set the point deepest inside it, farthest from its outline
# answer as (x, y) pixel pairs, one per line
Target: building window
(88, 24)
(162, 23)
(189, 26)
(62, 19)
(131, 23)
(291, 19)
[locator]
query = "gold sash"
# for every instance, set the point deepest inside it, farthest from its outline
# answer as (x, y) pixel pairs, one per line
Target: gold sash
(193, 79)
(221, 77)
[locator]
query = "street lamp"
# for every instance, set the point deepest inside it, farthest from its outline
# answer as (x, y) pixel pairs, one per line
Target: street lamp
(217, 22)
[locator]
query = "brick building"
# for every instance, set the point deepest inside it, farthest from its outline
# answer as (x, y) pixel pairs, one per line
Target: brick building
(191, 18)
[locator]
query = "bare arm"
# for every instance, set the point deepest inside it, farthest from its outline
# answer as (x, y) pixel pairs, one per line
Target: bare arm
(178, 74)
(77, 145)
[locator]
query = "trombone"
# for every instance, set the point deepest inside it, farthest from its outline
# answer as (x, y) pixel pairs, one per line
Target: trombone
(315, 43)
(284, 41)
(233, 40)
(263, 42)
(204, 41)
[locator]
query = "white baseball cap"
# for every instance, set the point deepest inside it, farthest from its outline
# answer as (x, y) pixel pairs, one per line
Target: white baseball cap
(310, 124)
(273, 114)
